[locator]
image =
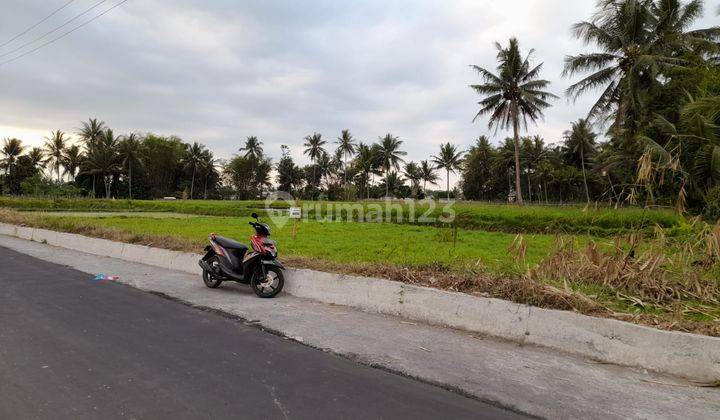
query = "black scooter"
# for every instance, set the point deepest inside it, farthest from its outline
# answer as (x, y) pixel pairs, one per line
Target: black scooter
(229, 260)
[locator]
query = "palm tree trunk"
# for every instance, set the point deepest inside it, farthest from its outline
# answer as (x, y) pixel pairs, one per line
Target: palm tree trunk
(447, 178)
(529, 187)
(582, 162)
(387, 184)
(108, 180)
(612, 188)
(516, 139)
(93, 184)
(347, 193)
(130, 178)
(192, 182)
(205, 189)
(546, 192)
(57, 169)
(367, 187)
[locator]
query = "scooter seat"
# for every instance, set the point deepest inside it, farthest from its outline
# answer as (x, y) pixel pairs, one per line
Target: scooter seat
(228, 243)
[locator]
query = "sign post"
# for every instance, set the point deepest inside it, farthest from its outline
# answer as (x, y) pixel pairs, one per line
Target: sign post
(295, 214)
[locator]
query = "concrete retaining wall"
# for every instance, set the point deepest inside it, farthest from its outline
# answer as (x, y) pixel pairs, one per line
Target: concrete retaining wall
(688, 355)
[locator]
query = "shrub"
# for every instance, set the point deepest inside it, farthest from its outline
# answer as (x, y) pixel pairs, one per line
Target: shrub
(40, 186)
(712, 205)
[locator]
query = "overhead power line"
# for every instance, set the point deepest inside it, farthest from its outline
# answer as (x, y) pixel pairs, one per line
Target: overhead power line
(67, 22)
(2, 63)
(37, 24)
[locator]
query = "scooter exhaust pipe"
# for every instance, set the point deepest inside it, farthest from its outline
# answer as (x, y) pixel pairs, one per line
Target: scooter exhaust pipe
(207, 267)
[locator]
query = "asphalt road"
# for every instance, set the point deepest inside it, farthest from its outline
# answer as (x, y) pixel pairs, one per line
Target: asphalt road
(72, 347)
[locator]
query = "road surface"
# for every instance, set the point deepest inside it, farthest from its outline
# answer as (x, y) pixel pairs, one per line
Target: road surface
(72, 347)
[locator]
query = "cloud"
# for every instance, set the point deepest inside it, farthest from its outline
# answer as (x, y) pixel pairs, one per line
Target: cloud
(217, 72)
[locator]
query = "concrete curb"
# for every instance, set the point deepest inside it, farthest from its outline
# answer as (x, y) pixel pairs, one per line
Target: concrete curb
(687, 355)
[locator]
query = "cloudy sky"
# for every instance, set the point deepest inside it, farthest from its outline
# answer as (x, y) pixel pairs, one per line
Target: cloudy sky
(219, 71)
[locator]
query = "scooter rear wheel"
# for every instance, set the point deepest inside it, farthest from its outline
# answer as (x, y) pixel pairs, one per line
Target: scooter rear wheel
(210, 280)
(269, 286)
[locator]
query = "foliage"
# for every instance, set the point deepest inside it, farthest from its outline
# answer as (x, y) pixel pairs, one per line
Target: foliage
(248, 176)
(55, 146)
(390, 156)
(449, 159)
(40, 186)
(290, 176)
(512, 96)
(712, 208)
(658, 83)
(638, 41)
(580, 145)
(478, 170)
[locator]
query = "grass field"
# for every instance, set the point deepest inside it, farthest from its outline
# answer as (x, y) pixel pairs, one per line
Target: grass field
(601, 221)
(342, 242)
(669, 280)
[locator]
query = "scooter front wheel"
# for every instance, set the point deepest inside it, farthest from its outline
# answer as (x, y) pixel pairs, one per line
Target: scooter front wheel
(210, 280)
(269, 286)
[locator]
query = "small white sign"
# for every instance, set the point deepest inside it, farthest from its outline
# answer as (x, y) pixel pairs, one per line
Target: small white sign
(295, 213)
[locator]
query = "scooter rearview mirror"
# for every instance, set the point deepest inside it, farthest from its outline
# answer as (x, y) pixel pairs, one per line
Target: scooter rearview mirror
(254, 215)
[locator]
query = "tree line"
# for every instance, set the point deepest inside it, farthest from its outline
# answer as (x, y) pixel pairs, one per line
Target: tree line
(103, 164)
(650, 137)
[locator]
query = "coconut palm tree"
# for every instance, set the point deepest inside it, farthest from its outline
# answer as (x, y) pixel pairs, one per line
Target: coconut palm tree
(130, 154)
(414, 175)
(545, 172)
(326, 167)
(393, 181)
(427, 171)
(314, 149)
(37, 157)
(102, 159)
(534, 152)
(512, 96)
(11, 150)
(689, 151)
(193, 160)
(637, 40)
(72, 160)
(346, 144)
(449, 159)
(91, 131)
(671, 27)
(253, 148)
(580, 141)
(207, 165)
(390, 156)
(365, 165)
(504, 162)
(478, 169)
(55, 146)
